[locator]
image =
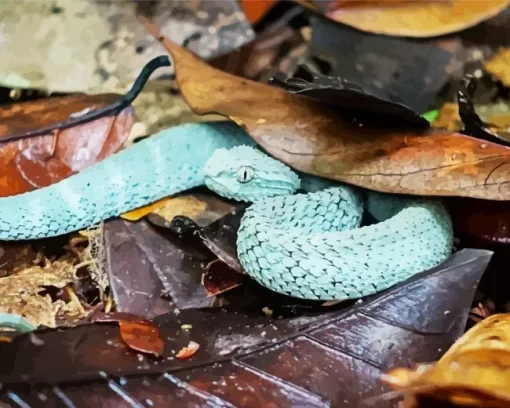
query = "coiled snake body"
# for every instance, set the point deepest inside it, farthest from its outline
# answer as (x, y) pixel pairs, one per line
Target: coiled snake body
(304, 245)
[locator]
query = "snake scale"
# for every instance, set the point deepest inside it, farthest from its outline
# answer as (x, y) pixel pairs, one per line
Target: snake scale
(308, 245)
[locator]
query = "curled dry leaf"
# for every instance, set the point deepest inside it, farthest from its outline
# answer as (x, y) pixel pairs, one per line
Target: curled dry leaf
(187, 352)
(311, 138)
(480, 312)
(348, 96)
(417, 18)
(220, 278)
(23, 292)
(474, 372)
(39, 161)
(139, 334)
(499, 66)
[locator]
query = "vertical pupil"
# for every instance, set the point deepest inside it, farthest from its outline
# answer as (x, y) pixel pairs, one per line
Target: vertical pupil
(245, 174)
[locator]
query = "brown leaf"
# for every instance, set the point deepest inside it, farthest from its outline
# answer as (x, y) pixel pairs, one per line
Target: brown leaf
(143, 264)
(449, 118)
(220, 278)
(254, 10)
(418, 18)
(337, 354)
(190, 350)
(310, 138)
(499, 66)
(475, 371)
(39, 161)
(139, 334)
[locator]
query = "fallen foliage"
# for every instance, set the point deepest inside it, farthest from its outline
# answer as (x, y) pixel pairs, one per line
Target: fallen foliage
(311, 138)
(39, 161)
(25, 292)
(137, 333)
(499, 66)
(188, 351)
(475, 371)
(427, 18)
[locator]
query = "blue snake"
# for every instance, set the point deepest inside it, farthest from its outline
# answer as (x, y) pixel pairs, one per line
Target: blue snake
(300, 236)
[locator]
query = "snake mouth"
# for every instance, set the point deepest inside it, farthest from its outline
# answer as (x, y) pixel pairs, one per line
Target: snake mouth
(249, 193)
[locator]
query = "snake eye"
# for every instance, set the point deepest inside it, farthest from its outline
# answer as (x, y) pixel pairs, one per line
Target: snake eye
(245, 174)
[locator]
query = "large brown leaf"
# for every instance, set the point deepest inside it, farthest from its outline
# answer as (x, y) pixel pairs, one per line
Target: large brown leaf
(311, 138)
(474, 372)
(414, 18)
(333, 358)
(39, 161)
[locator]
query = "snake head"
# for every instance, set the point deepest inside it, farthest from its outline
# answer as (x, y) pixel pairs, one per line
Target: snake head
(244, 173)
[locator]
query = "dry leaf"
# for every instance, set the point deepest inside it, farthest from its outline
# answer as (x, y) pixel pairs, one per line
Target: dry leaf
(139, 334)
(475, 371)
(254, 10)
(188, 206)
(310, 138)
(23, 293)
(43, 160)
(220, 278)
(141, 212)
(499, 66)
(187, 352)
(418, 18)
(202, 209)
(363, 3)
(449, 118)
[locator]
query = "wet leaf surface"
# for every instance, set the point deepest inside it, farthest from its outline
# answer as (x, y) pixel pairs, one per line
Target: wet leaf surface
(144, 264)
(138, 333)
(349, 97)
(474, 371)
(416, 18)
(43, 160)
(311, 138)
(335, 356)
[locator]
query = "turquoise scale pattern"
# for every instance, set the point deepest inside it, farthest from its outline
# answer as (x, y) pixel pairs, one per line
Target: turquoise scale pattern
(309, 246)
(164, 164)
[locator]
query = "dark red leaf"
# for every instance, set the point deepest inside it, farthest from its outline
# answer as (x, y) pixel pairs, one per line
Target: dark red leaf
(220, 278)
(39, 161)
(139, 334)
